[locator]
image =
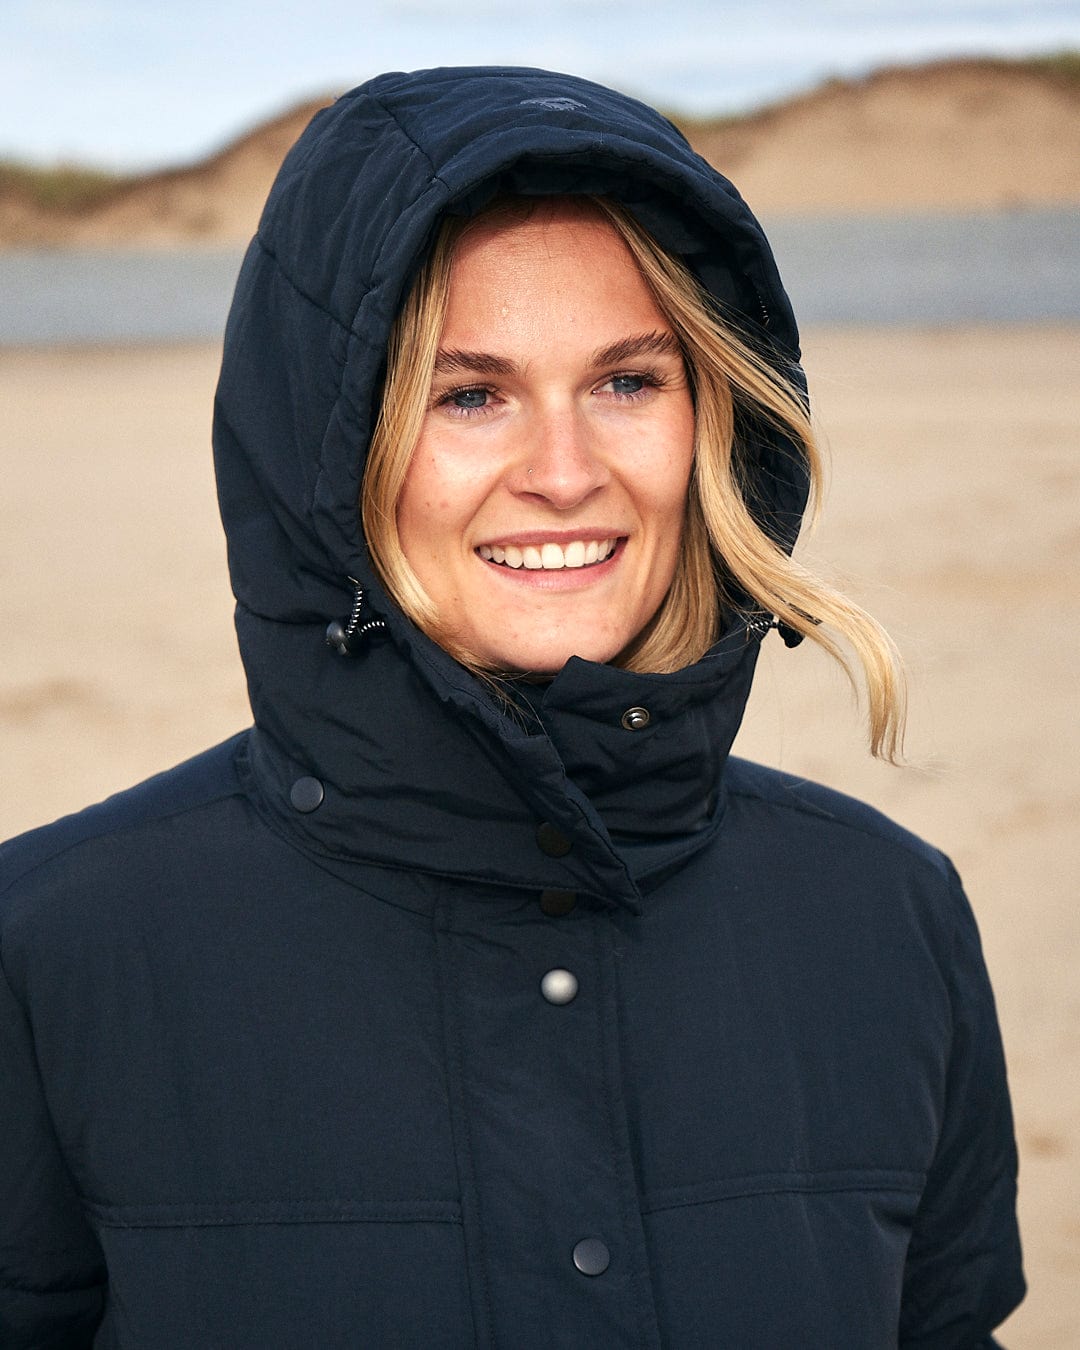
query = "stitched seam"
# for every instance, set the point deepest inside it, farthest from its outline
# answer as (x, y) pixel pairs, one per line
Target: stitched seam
(118, 831)
(226, 1206)
(467, 1182)
(607, 1037)
(780, 1190)
(882, 1183)
(22, 1012)
(341, 365)
(265, 248)
(819, 813)
(409, 137)
(284, 1220)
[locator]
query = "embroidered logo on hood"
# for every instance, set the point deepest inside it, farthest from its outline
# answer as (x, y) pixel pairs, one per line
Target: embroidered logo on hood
(555, 104)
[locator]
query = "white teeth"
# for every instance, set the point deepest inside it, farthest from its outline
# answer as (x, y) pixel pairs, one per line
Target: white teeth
(549, 557)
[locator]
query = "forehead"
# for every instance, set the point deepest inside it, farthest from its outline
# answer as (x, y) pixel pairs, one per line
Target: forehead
(559, 258)
(537, 227)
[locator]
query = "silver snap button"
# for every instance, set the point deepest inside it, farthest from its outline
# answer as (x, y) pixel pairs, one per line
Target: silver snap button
(591, 1256)
(559, 986)
(636, 719)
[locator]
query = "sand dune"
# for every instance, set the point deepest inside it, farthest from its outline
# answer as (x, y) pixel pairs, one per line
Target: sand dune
(958, 135)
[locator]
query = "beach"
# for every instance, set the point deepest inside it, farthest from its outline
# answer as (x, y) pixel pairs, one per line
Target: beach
(951, 515)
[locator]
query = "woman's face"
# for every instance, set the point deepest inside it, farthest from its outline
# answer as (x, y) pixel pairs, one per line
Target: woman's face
(543, 506)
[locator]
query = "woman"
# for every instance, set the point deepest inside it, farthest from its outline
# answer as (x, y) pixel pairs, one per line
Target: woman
(474, 996)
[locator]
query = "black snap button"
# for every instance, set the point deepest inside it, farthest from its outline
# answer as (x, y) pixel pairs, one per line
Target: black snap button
(557, 903)
(591, 1256)
(559, 986)
(552, 841)
(636, 719)
(306, 794)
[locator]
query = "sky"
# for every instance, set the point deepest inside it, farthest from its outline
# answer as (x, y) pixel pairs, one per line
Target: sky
(130, 84)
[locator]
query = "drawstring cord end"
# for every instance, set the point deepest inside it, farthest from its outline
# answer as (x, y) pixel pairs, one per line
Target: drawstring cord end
(760, 623)
(346, 638)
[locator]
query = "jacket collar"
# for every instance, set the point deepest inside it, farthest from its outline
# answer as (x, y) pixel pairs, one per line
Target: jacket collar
(423, 767)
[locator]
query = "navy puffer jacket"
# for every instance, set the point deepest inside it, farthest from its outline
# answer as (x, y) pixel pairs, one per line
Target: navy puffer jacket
(280, 1065)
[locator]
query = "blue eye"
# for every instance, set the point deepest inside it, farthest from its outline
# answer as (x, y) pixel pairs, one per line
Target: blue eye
(627, 384)
(469, 398)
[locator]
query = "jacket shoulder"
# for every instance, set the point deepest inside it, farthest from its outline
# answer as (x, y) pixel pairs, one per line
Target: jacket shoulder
(197, 782)
(824, 810)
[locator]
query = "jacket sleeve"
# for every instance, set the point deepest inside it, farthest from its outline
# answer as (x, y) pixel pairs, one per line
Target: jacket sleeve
(963, 1274)
(52, 1274)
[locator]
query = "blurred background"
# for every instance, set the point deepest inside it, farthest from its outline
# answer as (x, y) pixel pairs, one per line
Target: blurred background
(917, 167)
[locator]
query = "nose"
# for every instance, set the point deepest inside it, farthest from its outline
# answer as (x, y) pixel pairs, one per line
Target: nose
(560, 461)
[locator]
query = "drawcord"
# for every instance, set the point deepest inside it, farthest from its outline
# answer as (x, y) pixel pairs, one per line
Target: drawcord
(759, 623)
(345, 638)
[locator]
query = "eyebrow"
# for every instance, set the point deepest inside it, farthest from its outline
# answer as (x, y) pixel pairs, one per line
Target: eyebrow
(479, 363)
(614, 354)
(643, 344)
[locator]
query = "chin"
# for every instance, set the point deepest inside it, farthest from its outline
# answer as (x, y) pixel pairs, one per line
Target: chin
(547, 663)
(540, 650)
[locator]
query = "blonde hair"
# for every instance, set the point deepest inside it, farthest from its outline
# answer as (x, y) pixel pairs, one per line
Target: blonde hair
(723, 549)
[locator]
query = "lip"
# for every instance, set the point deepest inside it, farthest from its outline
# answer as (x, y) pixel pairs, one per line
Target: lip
(557, 579)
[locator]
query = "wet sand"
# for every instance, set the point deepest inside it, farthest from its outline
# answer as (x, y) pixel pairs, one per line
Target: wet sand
(952, 516)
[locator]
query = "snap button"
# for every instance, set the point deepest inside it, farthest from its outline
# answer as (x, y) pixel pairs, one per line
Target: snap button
(306, 794)
(559, 986)
(552, 841)
(557, 903)
(636, 719)
(591, 1256)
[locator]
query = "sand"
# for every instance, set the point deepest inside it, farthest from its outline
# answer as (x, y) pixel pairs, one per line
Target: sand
(952, 516)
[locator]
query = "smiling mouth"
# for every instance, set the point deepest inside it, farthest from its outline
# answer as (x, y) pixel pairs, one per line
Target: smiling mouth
(549, 557)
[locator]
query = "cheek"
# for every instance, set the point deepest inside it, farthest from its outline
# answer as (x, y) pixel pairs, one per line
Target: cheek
(418, 510)
(666, 483)
(428, 488)
(443, 493)
(666, 478)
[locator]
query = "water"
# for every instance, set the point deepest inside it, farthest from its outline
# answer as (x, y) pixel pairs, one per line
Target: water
(52, 296)
(1001, 267)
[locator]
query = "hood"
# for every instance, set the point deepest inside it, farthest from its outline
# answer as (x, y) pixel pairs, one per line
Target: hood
(408, 760)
